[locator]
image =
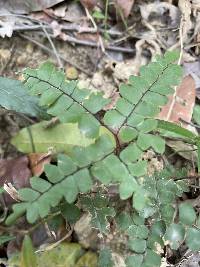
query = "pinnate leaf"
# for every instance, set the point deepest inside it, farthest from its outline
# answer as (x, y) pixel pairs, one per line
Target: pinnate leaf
(175, 235)
(187, 213)
(192, 239)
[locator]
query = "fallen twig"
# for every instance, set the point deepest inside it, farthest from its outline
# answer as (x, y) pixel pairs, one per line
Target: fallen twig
(74, 40)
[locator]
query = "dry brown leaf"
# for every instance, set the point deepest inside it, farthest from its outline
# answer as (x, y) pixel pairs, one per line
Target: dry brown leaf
(37, 162)
(7, 23)
(160, 14)
(26, 6)
(125, 6)
(16, 172)
(60, 10)
(182, 107)
(89, 4)
(193, 69)
(74, 13)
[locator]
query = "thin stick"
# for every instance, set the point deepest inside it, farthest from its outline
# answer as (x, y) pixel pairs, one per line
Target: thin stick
(90, 18)
(51, 246)
(70, 27)
(186, 178)
(71, 39)
(52, 53)
(53, 47)
(190, 123)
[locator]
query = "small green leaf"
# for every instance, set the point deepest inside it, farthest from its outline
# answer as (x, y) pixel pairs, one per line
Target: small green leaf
(70, 212)
(98, 15)
(18, 210)
(198, 153)
(167, 213)
(152, 259)
(131, 153)
(147, 126)
(158, 228)
(187, 213)
(96, 102)
(127, 134)
(105, 258)
(127, 187)
(134, 260)
(71, 189)
(6, 238)
(28, 194)
(137, 245)
(118, 170)
(192, 239)
(196, 114)
(100, 211)
(113, 119)
(124, 106)
(39, 184)
(66, 164)
(89, 126)
(139, 231)
(32, 213)
(53, 173)
(83, 180)
(140, 199)
(123, 221)
(153, 241)
(139, 168)
(146, 141)
(138, 220)
(28, 257)
(175, 235)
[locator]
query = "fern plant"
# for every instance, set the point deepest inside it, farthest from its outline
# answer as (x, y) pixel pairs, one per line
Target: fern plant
(114, 158)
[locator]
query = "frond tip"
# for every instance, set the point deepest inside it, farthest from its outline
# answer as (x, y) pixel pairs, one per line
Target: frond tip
(140, 100)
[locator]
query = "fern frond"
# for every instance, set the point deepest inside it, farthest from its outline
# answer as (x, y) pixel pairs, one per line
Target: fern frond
(140, 100)
(64, 99)
(134, 116)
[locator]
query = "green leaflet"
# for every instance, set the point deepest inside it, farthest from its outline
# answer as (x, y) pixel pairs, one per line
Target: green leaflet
(13, 96)
(64, 99)
(134, 260)
(187, 214)
(70, 212)
(176, 129)
(105, 258)
(175, 235)
(61, 138)
(100, 211)
(192, 239)
(196, 114)
(6, 238)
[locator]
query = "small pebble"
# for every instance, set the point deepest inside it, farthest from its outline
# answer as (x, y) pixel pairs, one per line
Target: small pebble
(71, 73)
